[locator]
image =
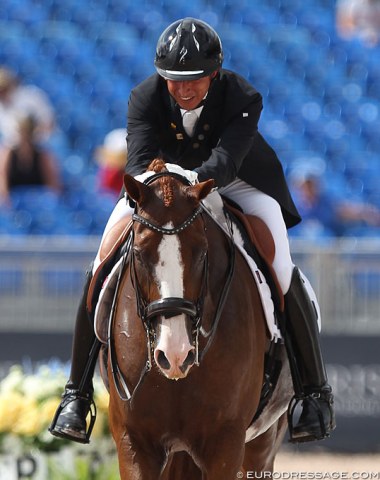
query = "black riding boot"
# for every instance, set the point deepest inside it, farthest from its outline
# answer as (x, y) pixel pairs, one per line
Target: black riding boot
(77, 401)
(317, 418)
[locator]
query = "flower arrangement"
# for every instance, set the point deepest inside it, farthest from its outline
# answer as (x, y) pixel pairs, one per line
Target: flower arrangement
(28, 401)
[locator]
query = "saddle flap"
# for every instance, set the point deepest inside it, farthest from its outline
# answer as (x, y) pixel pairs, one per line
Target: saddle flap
(261, 237)
(110, 245)
(104, 304)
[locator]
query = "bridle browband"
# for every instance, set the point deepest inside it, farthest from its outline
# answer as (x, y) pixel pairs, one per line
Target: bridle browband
(157, 228)
(167, 231)
(172, 306)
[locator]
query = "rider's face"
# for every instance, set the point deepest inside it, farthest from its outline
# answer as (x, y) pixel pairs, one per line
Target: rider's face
(189, 94)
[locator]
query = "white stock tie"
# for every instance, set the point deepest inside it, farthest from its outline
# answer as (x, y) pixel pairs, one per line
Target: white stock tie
(189, 119)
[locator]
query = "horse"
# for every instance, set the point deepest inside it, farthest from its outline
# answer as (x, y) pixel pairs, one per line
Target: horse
(187, 345)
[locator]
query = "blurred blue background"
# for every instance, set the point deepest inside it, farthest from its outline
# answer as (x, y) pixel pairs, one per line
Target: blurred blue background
(321, 112)
(321, 93)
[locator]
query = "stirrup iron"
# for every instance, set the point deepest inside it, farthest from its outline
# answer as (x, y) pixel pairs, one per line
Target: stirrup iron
(72, 434)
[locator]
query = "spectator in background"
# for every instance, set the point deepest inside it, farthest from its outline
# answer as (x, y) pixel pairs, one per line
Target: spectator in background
(324, 216)
(112, 158)
(359, 19)
(26, 163)
(17, 101)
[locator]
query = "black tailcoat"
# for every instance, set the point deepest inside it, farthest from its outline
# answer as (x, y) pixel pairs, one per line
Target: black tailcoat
(226, 143)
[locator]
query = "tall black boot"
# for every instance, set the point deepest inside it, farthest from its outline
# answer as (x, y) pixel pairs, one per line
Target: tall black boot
(77, 400)
(311, 389)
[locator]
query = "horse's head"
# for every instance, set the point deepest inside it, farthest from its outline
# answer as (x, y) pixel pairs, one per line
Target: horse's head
(169, 264)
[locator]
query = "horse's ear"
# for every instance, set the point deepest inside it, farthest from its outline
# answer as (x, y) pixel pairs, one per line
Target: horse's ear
(202, 189)
(135, 189)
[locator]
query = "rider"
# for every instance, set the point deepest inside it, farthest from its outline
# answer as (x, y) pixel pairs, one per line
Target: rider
(204, 118)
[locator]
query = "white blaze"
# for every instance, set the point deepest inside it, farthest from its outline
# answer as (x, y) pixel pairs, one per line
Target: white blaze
(173, 340)
(169, 269)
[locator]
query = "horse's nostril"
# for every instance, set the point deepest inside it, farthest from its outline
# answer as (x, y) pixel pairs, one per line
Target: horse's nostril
(189, 360)
(163, 361)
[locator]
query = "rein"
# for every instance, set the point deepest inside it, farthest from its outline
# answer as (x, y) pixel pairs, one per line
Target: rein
(170, 306)
(224, 293)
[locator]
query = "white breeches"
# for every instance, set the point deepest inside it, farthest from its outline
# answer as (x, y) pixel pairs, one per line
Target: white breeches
(253, 202)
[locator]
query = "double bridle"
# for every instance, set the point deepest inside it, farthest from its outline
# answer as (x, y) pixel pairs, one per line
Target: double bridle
(168, 306)
(171, 306)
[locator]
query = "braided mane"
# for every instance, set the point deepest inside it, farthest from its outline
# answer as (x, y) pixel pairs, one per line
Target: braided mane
(158, 166)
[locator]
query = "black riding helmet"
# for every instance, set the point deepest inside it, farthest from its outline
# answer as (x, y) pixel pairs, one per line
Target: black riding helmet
(188, 49)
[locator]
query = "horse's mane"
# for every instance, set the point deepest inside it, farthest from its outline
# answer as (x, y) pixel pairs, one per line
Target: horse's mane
(157, 166)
